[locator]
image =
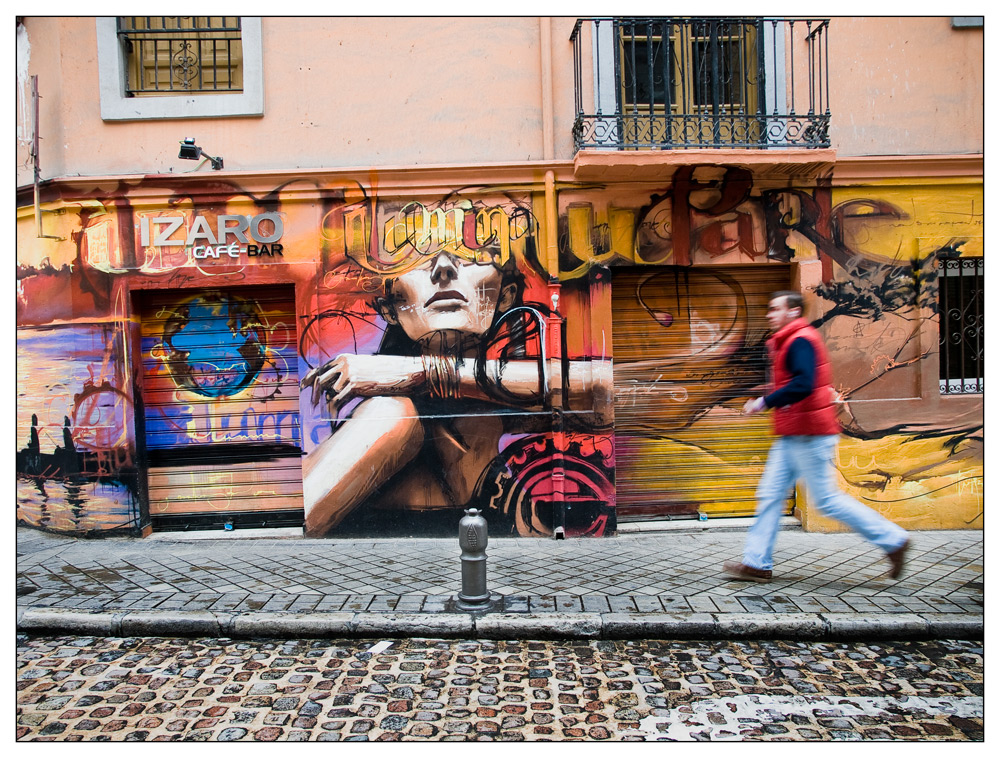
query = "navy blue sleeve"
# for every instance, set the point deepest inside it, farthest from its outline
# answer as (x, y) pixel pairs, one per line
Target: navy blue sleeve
(800, 360)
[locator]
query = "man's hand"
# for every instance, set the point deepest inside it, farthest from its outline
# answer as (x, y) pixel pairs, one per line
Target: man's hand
(754, 405)
(348, 376)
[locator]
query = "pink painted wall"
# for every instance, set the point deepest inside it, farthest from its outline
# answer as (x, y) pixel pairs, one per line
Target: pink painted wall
(905, 86)
(338, 92)
(347, 92)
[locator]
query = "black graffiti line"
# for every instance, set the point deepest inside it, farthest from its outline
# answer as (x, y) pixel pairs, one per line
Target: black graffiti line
(922, 494)
(348, 316)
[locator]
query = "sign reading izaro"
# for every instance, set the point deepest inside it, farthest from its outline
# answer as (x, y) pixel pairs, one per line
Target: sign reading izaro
(229, 238)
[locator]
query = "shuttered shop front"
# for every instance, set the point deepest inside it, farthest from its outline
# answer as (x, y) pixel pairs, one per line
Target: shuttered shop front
(221, 409)
(688, 351)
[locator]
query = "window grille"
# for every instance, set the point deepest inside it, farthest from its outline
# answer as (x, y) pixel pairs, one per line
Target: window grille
(961, 343)
(181, 55)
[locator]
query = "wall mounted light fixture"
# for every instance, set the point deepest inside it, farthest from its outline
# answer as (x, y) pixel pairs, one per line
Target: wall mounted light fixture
(190, 151)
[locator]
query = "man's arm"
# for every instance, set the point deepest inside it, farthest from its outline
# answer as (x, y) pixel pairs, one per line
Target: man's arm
(800, 360)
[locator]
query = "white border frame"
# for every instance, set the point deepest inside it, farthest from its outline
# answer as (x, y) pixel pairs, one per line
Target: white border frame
(116, 107)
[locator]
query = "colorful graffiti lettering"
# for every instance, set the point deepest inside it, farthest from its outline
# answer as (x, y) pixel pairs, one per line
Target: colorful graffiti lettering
(415, 231)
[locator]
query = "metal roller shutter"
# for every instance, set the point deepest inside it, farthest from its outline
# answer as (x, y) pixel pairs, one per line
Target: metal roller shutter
(221, 408)
(688, 350)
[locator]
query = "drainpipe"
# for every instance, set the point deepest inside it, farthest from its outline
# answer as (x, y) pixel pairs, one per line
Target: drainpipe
(555, 334)
(548, 127)
(36, 163)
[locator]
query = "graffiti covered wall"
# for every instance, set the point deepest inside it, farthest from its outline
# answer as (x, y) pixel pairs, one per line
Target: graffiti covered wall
(907, 451)
(442, 358)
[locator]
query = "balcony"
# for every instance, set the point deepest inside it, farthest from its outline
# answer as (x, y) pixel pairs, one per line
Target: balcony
(684, 83)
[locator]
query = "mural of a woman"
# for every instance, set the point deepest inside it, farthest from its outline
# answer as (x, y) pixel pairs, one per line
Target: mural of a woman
(435, 402)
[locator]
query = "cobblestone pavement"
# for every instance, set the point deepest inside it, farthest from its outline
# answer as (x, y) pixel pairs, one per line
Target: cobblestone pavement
(156, 689)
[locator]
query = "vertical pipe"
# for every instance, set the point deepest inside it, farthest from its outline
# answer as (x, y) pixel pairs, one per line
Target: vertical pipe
(34, 154)
(551, 227)
(556, 355)
(36, 162)
(548, 128)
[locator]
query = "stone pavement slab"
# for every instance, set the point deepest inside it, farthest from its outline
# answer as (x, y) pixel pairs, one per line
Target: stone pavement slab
(668, 583)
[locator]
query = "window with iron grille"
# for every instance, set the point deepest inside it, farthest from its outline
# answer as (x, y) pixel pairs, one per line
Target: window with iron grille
(960, 304)
(181, 55)
(163, 67)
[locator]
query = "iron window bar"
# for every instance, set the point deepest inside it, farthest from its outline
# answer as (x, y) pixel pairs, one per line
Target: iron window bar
(961, 326)
(181, 54)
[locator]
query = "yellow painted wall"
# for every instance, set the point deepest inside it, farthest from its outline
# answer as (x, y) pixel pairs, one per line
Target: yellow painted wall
(908, 451)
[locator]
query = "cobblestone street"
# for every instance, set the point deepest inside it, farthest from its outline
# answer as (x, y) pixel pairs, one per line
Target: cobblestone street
(156, 689)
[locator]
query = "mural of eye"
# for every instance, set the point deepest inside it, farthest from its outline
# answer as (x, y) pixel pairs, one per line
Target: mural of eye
(214, 344)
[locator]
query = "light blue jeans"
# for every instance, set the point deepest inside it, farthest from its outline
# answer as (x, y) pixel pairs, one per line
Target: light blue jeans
(810, 458)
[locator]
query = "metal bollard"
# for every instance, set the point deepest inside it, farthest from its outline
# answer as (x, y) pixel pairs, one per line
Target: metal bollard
(472, 538)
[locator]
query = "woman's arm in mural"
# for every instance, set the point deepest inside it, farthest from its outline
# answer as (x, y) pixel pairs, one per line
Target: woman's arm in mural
(382, 435)
(513, 383)
(348, 376)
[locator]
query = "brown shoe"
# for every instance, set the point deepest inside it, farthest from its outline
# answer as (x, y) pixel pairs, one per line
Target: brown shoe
(739, 570)
(897, 558)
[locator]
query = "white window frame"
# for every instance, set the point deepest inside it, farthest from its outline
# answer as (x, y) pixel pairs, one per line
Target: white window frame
(116, 107)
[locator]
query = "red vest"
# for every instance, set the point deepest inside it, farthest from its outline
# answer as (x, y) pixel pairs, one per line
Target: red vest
(815, 414)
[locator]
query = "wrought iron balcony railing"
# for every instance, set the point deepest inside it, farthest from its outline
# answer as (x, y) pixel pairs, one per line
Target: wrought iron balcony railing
(676, 83)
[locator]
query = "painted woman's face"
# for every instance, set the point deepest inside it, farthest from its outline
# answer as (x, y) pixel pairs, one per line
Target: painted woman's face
(446, 294)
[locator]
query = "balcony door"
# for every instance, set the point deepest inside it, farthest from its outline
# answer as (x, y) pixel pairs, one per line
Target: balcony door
(694, 83)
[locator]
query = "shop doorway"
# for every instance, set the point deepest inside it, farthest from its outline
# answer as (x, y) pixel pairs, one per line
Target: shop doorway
(221, 408)
(688, 350)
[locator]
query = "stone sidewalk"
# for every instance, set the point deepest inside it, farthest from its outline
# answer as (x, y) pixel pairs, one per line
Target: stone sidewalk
(649, 582)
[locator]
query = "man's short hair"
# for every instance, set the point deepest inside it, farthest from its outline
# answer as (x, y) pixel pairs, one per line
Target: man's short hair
(792, 299)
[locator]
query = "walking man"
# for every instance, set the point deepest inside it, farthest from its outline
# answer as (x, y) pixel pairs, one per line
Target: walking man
(805, 422)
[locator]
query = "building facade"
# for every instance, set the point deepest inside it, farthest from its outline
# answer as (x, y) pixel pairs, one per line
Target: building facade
(413, 272)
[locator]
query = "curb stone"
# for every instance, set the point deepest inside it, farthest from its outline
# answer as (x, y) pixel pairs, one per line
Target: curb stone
(68, 620)
(189, 623)
(636, 625)
(804, 626)
(680, 626)
(954, 626)
(291, 625)
(883, 626)
(414, 624)
(539, 625)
